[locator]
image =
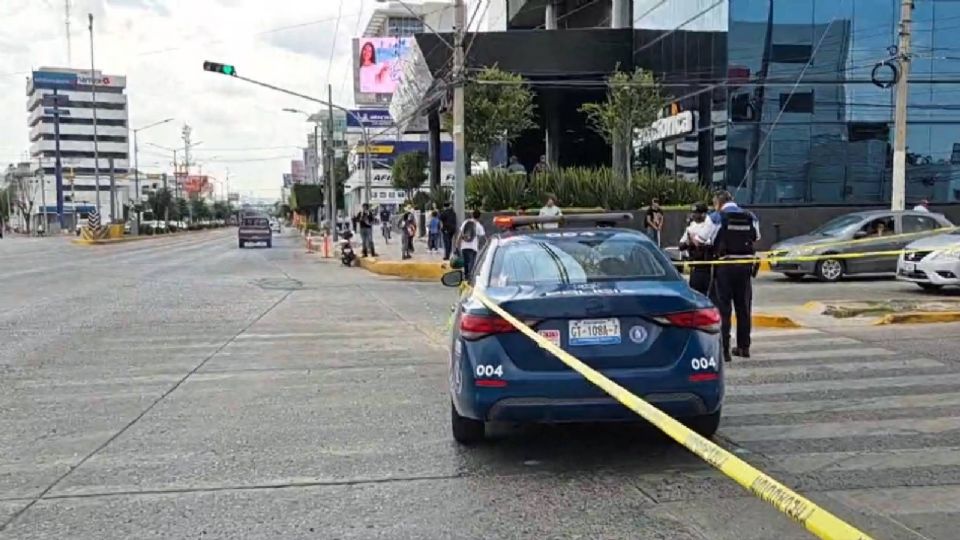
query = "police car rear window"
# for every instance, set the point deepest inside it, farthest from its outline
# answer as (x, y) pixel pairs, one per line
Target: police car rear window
(578, 258)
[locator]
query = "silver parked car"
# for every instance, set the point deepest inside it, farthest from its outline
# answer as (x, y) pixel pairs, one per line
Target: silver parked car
(859, 232)
(932, 262)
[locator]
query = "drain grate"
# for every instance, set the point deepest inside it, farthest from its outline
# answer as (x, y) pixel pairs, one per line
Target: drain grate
(278, 284)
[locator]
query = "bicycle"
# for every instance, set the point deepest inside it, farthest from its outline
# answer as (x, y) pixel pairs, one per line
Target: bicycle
(385, 230)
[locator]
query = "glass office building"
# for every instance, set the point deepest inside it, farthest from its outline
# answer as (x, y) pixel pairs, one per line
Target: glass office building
(811, 108)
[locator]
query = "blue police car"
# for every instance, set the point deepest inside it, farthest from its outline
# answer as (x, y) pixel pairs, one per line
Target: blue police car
(606, 295)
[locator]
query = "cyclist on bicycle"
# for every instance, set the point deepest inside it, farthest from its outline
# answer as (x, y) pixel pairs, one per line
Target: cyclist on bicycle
(385, 227)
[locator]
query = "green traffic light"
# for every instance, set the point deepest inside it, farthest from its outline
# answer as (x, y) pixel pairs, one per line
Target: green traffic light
(217, 67)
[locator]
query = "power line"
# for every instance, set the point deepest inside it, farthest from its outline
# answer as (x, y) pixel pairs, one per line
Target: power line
(759, 149)
(356, 31)
(665, 35)
(333, 48)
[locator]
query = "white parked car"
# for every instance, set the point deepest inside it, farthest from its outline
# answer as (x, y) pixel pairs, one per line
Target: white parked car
(932, 262)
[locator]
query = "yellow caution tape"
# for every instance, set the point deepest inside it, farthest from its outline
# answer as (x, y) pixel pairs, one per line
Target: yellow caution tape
(805, 258)
(818, 521)
(868, 239)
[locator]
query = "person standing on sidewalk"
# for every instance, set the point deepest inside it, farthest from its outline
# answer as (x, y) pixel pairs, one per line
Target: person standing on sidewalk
(469, 241)
(653, 222)
(433, 228)
(408, 231)
(365, 221)
(550, 209)
(448, 228)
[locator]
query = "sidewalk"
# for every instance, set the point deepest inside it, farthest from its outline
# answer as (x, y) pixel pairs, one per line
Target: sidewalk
(424, 266)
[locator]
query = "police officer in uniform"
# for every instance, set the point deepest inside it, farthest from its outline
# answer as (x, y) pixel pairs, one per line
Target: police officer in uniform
(735, 232)
(695, 243)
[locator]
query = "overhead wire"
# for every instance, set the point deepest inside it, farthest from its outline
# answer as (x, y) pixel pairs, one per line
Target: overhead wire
(759, 149)
(333, 46)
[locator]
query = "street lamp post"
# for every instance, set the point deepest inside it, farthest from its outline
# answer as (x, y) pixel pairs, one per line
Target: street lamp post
(136, 165)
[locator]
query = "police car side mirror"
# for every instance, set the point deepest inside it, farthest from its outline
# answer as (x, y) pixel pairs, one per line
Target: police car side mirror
(860, 234)
(452, 279)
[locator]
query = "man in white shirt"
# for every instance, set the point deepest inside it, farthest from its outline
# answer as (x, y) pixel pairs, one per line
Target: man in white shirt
(694, 242)
(470, 240)
(550, 209)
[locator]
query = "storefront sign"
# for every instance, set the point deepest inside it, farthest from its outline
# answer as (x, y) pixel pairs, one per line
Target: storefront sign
(670, 127)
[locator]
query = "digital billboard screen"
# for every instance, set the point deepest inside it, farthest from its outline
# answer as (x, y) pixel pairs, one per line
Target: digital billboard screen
(378, 65)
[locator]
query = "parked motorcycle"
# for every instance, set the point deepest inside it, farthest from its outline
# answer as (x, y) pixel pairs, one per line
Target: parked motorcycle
(347, 255)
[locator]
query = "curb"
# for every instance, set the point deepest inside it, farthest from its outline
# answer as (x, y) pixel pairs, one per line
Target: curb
(771, 320)
(919, 317)
(410, 270)
(104, 241)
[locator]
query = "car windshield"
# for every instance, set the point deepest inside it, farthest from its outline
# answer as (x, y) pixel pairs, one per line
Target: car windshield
(837, 225)
(254, 222)
(577, 257)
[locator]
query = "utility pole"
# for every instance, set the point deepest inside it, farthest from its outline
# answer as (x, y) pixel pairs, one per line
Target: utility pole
(331, 162)
(43, 195)
(186, 162)
(898, 196)
(66, 19)
(459, 114)
(93, 82)
(113, 193)
(166, 192)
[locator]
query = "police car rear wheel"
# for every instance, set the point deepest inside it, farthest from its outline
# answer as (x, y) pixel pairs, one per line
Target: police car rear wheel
(705, 425)
(829, 270)
(466, 430)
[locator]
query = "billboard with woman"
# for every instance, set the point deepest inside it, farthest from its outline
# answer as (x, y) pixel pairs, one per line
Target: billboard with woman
(378, 67)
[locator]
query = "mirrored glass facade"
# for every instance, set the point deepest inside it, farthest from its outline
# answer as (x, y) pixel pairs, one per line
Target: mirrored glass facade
(808, 122)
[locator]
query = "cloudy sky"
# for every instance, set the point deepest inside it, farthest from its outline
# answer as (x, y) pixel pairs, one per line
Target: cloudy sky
(160, 46)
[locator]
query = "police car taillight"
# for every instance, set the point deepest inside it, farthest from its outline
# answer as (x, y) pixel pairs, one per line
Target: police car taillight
(473, 327)
(706, 319)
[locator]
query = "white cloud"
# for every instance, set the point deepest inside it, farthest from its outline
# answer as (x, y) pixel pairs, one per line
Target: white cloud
(160, 46)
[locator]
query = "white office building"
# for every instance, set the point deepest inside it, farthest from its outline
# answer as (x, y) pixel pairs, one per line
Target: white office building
(77, 146)
(392, 20)
(395, 19)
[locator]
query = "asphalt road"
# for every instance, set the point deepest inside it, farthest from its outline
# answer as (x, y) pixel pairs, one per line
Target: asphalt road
(182, 388)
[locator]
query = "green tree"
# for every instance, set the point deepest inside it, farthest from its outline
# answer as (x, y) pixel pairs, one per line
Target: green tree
(180, 210)
(221, 210)
(5, 206)
(199, 208)
(160, 202)
(499, 107)
(409, 172)
(633, 101)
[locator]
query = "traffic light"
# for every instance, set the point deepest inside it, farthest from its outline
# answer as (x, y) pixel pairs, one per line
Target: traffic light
(226, 69)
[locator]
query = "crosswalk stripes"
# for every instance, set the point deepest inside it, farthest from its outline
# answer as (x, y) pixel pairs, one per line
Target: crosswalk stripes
(821, 410)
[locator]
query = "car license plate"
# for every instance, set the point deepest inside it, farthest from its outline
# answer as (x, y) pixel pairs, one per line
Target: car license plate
(910, 267)
(594, 332)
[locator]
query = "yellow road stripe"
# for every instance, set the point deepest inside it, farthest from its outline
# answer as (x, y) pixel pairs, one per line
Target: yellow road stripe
(818, 521)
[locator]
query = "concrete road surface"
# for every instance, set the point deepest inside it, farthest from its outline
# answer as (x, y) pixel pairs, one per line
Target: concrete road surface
(183, 388)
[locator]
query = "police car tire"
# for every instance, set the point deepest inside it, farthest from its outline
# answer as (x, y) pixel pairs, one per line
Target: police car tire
(466, 431)
(705, 425)
(822, 277)
(930, 286)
